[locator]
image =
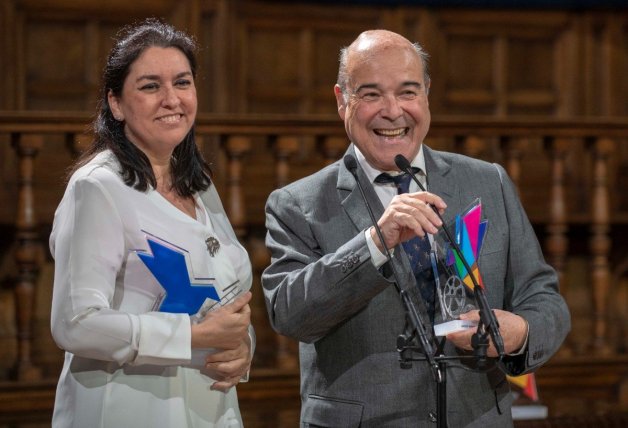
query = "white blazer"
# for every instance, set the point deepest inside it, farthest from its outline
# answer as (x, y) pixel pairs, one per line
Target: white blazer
(127, 364)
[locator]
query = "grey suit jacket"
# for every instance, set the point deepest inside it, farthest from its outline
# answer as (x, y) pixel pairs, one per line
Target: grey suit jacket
(323, 290)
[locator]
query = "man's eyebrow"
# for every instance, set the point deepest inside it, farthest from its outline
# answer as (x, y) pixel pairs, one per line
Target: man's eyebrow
(375, 86)
(366, 86)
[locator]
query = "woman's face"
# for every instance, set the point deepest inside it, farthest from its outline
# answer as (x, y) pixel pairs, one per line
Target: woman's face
(158, 101)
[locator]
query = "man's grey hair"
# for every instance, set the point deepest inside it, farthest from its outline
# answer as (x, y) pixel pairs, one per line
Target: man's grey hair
(343, 76)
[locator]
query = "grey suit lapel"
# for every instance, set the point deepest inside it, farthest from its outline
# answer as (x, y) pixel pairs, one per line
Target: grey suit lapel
(351, 199)
(442, 182)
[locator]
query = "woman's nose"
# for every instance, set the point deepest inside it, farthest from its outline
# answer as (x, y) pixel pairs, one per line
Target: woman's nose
(171, 98)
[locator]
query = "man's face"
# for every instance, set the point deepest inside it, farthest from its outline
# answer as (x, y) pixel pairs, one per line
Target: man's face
(387, 111)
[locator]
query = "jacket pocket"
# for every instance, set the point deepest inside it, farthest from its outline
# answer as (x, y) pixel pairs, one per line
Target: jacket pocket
(331, 412)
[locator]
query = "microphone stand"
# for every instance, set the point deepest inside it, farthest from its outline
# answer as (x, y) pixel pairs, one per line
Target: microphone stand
(417, 324)
(488, 322)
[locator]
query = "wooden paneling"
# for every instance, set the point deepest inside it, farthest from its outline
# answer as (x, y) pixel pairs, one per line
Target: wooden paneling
(497, 63)
(280, 57)
(288, 57)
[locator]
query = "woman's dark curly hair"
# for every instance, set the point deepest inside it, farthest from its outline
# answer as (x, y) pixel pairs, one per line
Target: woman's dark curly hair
(190, 173)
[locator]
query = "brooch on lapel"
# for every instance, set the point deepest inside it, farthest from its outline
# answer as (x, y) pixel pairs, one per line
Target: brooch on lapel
(212, 245)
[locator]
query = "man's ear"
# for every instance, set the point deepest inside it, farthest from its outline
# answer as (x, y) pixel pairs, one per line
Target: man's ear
(114, 105)
(340, 101)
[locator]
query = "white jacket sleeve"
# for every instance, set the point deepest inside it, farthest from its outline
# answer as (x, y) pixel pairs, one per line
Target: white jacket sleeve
(88, 245)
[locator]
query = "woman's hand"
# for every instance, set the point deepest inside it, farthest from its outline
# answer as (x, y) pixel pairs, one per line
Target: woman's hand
(229, 366)
(226, 327)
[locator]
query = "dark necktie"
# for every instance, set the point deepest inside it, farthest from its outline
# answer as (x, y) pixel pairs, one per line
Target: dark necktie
(417, 249)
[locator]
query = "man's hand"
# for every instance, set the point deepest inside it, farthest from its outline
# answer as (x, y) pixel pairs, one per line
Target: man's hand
(409, 215)
(513, 329)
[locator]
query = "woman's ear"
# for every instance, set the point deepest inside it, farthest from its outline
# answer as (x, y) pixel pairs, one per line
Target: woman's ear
(114, 105)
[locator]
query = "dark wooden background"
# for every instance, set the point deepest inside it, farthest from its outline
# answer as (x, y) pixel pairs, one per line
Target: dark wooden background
(542, 91)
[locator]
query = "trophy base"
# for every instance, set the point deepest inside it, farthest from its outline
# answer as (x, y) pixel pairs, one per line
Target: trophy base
(443, 329)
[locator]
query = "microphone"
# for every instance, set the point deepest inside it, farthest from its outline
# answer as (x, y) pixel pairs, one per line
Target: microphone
(417, 323)
(487, 316)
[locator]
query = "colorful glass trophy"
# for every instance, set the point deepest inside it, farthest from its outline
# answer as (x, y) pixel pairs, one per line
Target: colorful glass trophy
(454, 286)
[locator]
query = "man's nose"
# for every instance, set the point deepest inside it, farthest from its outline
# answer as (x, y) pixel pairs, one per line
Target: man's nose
(391, 107)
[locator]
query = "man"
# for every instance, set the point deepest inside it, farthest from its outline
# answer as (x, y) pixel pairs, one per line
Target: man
(330, 286)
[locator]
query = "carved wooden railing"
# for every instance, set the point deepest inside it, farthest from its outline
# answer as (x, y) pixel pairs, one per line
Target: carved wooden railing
(283, 148)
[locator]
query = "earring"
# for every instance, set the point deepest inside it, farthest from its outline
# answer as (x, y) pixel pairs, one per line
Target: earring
(119, 119)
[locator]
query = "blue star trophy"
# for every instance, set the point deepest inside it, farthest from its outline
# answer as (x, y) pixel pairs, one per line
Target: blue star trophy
(183, 291)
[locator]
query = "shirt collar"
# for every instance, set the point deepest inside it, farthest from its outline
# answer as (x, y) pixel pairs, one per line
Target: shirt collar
(371, 173)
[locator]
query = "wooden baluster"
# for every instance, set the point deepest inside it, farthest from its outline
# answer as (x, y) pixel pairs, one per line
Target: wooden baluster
(333, 148)
(285, 148)
(78, 143)
(556, 243)
(513, 149)
(236, 148)
(600, 241)
(200, 142)
(27, 255)
(471, 146)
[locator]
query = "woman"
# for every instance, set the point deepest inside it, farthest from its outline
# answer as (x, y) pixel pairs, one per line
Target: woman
(140, 241)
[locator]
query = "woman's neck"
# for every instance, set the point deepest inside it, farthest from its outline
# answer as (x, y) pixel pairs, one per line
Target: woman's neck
(163, 178)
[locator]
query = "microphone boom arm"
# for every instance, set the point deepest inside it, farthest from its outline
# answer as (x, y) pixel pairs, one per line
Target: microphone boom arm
(415, 318)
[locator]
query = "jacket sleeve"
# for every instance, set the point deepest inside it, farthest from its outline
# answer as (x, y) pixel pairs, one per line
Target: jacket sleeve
(307, 292)
(87, 243)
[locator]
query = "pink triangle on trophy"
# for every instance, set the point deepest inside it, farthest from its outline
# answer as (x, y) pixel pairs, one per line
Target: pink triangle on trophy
(472, 222)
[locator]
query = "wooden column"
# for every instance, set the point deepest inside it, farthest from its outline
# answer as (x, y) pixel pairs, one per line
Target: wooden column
(78, 143)
(285, 148)
(333, 148)
(27, 254)
(513, 149)
(600, 242)
(471, 145)
(236, 147)
(556, 243)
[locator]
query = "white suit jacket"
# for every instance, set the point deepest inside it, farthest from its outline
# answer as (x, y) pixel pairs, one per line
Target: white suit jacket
(127, 364)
